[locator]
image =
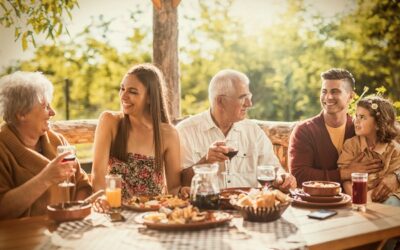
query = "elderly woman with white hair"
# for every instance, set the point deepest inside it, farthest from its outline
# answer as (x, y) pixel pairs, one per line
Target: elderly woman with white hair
(30, 169)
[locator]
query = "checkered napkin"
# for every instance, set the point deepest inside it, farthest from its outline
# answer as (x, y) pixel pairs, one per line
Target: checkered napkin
(91, 234)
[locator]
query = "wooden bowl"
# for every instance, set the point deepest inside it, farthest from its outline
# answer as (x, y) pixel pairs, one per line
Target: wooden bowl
(321, 188)
(68, 211)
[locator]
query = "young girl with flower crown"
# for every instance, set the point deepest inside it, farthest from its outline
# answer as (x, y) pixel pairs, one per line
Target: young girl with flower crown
(376, 129)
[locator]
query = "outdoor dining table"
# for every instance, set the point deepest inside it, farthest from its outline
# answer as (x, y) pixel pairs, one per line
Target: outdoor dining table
(294, 230)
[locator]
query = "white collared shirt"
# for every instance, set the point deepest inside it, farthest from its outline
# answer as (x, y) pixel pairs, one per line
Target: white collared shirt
(198, 132)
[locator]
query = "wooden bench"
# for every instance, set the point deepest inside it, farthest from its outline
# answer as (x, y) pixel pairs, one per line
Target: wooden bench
(82, 131)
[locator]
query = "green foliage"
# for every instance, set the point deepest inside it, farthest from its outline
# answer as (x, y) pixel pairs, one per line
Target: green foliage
(93, 67)
(30, 18)
(283, 61)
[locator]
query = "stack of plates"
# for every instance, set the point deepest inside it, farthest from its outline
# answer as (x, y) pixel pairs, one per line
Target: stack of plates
(304, 199)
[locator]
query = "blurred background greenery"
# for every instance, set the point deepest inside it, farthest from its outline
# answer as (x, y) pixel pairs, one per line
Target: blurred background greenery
(283, 60)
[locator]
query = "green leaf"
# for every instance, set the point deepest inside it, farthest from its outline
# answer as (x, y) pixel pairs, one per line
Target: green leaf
(24, 40)
(60, 29)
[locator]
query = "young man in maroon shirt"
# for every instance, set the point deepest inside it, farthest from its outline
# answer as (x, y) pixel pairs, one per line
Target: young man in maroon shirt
(315, 143)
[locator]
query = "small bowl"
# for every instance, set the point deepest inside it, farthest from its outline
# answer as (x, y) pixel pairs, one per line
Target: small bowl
(262, 214)
(321, 188)
(75, 210)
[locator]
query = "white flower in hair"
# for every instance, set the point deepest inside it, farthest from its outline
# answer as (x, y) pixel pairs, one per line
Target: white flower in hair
(374, 106)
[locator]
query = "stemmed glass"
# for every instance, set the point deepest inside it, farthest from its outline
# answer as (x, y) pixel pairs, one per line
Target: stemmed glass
(69, 158)
(266, 175)
(233, 150)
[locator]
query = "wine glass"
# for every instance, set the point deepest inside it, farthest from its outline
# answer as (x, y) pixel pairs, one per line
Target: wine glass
(233, 151)
(69, 158)
(266, 175)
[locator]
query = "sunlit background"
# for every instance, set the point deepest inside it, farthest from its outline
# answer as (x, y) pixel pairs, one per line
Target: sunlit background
(282, 46)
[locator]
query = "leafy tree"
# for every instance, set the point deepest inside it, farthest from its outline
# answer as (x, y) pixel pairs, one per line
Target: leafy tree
(30, 18)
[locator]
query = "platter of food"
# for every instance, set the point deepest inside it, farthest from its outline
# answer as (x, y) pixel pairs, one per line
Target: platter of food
(146, 203)
(187, 218)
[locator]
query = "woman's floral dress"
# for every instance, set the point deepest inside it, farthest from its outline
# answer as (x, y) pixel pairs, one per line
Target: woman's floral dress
(139, 175)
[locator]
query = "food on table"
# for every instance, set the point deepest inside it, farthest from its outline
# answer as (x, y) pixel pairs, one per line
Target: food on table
(321, 184)
(261, 199)
(146, 201)
(178, 215)
(321, 188)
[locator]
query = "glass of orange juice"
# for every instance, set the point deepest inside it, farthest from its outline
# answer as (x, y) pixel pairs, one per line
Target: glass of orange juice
(113, 190)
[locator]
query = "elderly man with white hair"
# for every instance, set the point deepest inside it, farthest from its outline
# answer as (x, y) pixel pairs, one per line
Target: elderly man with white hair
(203, 136)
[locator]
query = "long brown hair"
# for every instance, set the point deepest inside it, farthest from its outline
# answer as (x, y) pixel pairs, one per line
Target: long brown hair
(385, 117)
(152, 79)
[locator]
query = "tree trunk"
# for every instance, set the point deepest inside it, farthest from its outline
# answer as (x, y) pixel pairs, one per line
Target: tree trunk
(165, 52)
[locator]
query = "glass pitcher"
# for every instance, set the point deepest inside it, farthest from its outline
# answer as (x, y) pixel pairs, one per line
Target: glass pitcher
(204, 191)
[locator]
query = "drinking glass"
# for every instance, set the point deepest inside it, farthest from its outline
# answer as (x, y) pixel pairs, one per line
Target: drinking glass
(233, 151)
(113, 190)
(359, 191)
(69, 158)
(266, 175)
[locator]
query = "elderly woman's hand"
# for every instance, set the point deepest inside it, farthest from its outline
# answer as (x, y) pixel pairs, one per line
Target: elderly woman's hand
(57, 171)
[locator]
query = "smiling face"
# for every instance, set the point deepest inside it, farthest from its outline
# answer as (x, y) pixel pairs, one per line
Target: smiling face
(335, 96)
(365, 124)
(236, 104)
(133, 95)
(37, 120)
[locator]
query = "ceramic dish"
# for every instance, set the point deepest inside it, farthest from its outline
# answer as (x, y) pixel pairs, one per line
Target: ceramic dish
(297, 201)
(321, 188)
(217, 219)
(320, 199)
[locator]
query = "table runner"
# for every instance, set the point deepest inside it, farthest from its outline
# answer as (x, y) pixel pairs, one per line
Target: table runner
(97, 232)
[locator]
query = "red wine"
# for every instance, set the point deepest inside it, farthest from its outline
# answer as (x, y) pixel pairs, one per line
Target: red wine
(360, 192)
(69, 158)
(231, 154)
(265, 181)
(208, 201)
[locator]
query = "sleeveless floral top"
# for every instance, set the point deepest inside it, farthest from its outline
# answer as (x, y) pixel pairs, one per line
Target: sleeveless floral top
(139, 175)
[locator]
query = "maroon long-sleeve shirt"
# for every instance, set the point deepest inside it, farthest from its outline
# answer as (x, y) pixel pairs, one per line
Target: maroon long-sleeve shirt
(312, 155)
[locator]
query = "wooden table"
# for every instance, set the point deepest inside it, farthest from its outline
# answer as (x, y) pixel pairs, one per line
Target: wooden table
(347, 229)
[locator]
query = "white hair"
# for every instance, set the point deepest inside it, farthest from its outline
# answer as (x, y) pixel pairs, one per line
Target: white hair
(20, 91)
(223, 83)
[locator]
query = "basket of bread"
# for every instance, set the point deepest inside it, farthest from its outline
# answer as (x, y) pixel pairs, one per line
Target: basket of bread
(261, 205)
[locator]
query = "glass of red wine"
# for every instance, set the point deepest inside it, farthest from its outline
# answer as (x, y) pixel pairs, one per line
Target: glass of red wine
(266, 175)
(233, 151)
(69, 158)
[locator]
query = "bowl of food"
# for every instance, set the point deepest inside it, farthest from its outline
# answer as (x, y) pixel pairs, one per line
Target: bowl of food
(68, 211)
(72, 210)
(227, 194)
(262, 206)
(321, 188)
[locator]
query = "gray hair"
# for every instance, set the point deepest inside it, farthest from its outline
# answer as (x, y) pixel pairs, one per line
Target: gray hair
(223, 83)
(20, 91)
